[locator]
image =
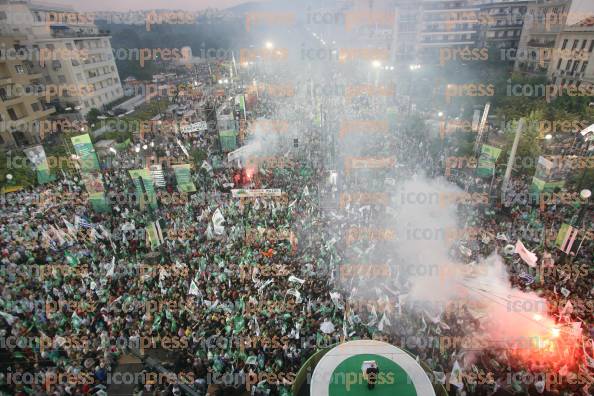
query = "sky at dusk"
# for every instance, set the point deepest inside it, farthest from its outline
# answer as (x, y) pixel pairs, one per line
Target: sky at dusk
(125, 5)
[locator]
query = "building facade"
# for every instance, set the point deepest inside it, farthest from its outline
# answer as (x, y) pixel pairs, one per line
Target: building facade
(74, 55)
(23, 104)
(545, 19)
(572, 63)
(501, 22)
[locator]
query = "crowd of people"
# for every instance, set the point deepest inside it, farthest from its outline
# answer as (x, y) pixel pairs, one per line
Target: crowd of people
(79, 288)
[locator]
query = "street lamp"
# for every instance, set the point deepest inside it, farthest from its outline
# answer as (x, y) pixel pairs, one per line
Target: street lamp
(9, 177)
(548, 137)
(269, 45)
(440, 114)
(377, 64)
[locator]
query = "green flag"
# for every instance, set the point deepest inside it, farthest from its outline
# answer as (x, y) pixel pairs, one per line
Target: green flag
(487, 160)
(184, 178)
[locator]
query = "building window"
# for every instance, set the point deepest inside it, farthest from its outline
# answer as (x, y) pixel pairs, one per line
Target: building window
(564, 44)
(2, 15)
(56, 64)
(62, 79)
(591, 46)
(69, 46)
(575, 44)
(584, 44)
(584, 66)
(12, 114)
(50, 47)
(559, 64)
(75, 62)
(35, 106)
(19, 69)
(576, 64)
(568, 65)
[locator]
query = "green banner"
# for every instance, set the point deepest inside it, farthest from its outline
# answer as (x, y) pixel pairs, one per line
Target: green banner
(143, 181)
(487, 160)
(86, 153)
(184, 178)
(240, 100)
(38, 158)
(228, 140)
(93, 182)
(90, 172)
(548, 176)
(154, 235)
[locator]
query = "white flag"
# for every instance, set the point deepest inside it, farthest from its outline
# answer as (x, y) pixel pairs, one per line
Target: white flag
(295, 279)
(194, 289)
(218, 222)
(526, 255)
(111, 267)
(456, 376)
(383, 322)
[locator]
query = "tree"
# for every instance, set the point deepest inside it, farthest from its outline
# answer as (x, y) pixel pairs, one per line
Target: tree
(92, 116)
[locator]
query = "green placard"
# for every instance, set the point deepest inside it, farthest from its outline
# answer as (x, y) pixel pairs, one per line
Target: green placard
(228, 140)
(143, 181)
(184, 178)
(85, 150)
(487, 160)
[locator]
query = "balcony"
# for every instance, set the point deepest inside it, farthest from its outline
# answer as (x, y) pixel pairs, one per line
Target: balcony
(78, 34)
(538, 44)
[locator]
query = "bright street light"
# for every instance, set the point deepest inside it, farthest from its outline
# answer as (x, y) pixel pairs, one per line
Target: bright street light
(8, 176)
(548, 136)
(269, 45)
(137, 149)
(585, 194)
(440, 114)
(376, 64)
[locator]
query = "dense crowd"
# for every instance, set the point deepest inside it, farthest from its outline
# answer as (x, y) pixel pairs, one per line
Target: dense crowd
(245, 313)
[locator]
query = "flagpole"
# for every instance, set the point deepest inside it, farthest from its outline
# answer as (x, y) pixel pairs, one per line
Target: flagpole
(511, 159)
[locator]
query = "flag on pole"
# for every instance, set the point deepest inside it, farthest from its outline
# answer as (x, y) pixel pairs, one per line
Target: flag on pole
(217, 222)
(456, 376)
(194, 289)
(526, 255)
(566, 238)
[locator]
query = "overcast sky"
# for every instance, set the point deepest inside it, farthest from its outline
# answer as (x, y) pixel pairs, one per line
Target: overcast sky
(125, 5)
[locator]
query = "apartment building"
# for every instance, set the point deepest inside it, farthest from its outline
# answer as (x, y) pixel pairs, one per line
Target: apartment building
(423, 28)
(544, 20)
(22, 103)
(572, 62)
(78, 56)
(446, 24)
(501, 23)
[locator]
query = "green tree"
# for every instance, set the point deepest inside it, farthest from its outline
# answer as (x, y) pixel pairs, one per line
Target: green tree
(92, 116)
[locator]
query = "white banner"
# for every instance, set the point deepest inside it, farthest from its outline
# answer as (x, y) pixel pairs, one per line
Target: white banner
(195, 127)
(269, 192)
